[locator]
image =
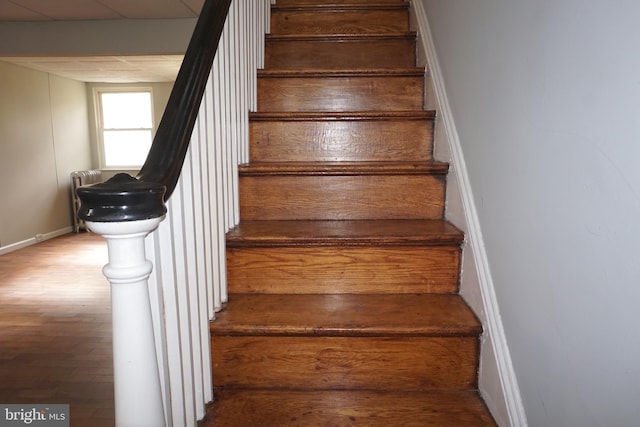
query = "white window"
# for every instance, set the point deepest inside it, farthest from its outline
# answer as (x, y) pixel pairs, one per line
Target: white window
(125, 127)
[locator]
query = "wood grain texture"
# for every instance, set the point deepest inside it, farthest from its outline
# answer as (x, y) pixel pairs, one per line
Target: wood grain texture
(340, 363)
(55, 328)
(391, 136)
(343, 168)
(342, 233)
(325, 2)
(346, 315)
(342, 274)
(336, 19)
(340, 269)
(342, 197)
(353, 91)
(236, 408)
(340, 51)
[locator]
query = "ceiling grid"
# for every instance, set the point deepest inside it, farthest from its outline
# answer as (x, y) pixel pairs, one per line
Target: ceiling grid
(106, 69)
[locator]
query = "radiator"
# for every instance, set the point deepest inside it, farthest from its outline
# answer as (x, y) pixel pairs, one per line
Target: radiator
(79, 179)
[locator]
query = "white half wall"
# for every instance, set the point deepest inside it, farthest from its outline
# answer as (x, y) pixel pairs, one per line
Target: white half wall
(546, 100)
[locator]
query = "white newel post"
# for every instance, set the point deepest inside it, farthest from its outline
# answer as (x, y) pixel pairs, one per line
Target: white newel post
(138, 397)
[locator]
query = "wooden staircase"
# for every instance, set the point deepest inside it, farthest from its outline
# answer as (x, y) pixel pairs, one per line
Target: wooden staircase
(343, 273)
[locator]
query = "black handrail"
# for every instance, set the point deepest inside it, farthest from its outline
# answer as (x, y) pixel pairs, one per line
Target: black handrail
(125, 198)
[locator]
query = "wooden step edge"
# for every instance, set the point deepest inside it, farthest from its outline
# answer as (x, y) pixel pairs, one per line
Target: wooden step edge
(292, 233)
(343, 168)
(284, 241)
(339, 7)
(325, 116)
(325, 73)
(336, 331)
(345, 315)
(410, 35)
(436, 408)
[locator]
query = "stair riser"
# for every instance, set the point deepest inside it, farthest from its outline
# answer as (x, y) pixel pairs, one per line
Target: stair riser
(291, 21)
(369, 93)
(342, 197)
(324, 2)
(340, 54)
(344, 269)
(404, 363)
(335, 140)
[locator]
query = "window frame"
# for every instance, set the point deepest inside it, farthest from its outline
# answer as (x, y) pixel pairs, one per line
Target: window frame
(99, 121)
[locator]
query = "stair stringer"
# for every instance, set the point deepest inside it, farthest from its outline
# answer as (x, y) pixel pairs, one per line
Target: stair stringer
(497, 379)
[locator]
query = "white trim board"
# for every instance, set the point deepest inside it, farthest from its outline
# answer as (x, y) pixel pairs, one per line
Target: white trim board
(36, 239)
(495, 355)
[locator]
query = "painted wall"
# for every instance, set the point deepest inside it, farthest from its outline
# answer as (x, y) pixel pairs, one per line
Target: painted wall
(43, 137)
(46, 132)
(546, 101)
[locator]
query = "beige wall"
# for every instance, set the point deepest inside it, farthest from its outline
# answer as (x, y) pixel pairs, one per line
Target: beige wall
(46, 132)
(43, 137)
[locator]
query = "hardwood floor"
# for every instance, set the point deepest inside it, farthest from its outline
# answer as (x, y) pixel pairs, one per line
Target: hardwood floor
(55, 328)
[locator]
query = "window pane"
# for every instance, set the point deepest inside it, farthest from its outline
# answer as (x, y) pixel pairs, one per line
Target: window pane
(130, 110)
(126, 148)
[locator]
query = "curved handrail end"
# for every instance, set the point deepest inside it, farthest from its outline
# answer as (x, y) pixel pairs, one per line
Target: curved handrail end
(122, 198)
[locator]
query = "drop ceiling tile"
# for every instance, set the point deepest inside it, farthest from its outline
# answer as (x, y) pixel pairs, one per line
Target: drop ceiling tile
(69, 9)
(146, 9)
(106, 69)
(194, 5)
(12, 12)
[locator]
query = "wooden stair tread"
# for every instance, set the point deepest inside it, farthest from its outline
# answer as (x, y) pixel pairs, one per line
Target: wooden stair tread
(390, 315)
(267, 408)
(327, 136)
(328, 73)
(335, 7)
(340, 50)
(374, 18)
(359, 232)
(299, 2)
(341, 115)
(343, 168)
(336, 89)
(410, 35)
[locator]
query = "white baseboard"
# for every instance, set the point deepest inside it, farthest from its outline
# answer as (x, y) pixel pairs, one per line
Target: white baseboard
(36, 239)
(497, 356)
